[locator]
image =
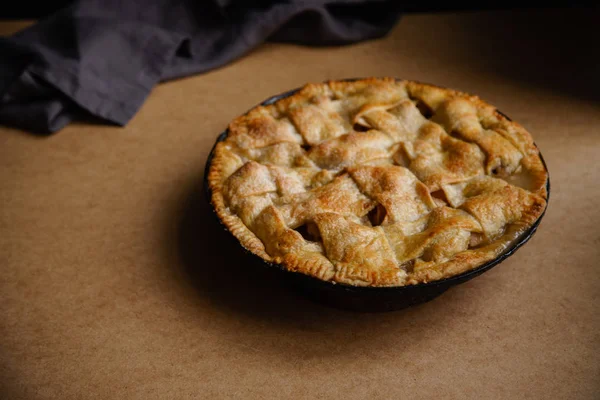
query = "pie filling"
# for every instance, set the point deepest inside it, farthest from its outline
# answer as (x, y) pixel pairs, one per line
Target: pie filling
(377, 182)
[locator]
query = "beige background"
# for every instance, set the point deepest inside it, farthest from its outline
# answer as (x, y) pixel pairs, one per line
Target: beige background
(113, 286)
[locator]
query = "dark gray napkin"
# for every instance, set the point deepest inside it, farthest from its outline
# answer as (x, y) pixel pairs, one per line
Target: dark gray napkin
(102, 57)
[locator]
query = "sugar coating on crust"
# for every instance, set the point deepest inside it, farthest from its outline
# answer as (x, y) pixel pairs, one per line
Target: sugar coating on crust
(377, 182)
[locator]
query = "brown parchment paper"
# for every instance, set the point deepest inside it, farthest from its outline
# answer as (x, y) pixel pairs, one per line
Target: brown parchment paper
(112, 285)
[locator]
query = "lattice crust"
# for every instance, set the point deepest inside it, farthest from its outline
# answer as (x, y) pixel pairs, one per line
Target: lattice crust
(377, 182)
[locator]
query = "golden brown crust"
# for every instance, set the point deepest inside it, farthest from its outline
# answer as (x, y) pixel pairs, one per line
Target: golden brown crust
(377, 182)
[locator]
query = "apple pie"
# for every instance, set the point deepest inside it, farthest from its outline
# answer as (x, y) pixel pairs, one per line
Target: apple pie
(377, 182)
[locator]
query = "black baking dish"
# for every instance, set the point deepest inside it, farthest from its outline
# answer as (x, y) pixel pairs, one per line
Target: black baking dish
(366, 299)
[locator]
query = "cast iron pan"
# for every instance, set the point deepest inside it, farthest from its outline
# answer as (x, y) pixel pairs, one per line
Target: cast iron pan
(365, 299)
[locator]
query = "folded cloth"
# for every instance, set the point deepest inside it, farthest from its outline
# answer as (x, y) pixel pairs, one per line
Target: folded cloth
(102, 57)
